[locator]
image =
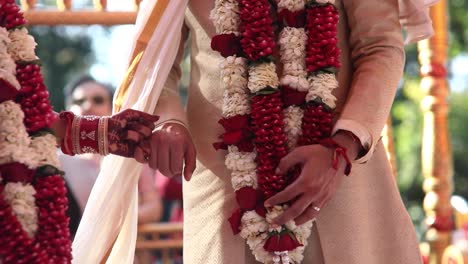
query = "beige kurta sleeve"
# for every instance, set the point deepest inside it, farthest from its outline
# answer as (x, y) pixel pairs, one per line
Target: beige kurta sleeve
(169, 106)
(377, 57)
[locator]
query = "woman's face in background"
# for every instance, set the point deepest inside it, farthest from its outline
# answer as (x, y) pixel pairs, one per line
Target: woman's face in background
(91, 98)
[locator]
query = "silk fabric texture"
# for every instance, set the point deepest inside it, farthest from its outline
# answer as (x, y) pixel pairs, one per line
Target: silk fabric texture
(107, 232)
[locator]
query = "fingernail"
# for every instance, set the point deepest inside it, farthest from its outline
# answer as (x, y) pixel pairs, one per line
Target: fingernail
(278, 171)
(267, 204)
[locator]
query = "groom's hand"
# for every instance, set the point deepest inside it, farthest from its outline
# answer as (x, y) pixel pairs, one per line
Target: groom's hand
(170, 147)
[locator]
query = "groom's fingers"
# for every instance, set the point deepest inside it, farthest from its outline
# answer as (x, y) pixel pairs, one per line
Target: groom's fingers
(163, 159)
(176, 160)
(153, 158)
(190, 161)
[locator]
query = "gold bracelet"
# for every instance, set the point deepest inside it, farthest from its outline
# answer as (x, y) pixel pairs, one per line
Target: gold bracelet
(175, 121)
(105, 139)
(75, 135)
(101, 135)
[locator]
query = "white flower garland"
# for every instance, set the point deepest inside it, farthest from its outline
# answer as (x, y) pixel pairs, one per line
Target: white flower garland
(22, 45)
(262, 75)
(15, 143)
(14, 140)
(7, 64)
(45, 150)
(292, 42)
(252, 225)
(234, 83)
(237, 80)
(292, 5)
(241, 179)
(240, 161)
(21, 198)
(234, 74)
(325, 1)
(235, 104)
(292, 125)
(322, 86)
(225, 17)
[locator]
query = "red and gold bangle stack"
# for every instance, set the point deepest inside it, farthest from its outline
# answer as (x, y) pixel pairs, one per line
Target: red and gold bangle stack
(103, 142)
(85, 134)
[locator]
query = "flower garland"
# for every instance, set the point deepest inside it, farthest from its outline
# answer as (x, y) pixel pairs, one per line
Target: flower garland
(33, 203)
(265, 115)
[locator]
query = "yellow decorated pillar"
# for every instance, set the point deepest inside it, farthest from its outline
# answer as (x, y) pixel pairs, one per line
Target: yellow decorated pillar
(436, 150)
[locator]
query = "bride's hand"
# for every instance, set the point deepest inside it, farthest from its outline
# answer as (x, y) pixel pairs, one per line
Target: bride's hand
(170, 147)
(129, 132)
(316, 184)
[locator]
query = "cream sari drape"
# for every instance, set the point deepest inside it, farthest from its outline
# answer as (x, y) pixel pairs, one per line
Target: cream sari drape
(107, 232)
(108, 229)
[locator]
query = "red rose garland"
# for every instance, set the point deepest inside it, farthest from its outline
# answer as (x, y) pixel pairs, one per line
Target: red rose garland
(34, 98)
(300, 112)
(53, 234)
(269, 141)
(322, 54)
(51, 242)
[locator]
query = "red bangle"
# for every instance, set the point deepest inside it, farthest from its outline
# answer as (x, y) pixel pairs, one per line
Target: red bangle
(66, 144)
(338, 151)
(84, 134)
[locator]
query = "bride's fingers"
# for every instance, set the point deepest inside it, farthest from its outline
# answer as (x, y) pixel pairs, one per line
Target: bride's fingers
(125, 149)
(132, 136)
(143, 129)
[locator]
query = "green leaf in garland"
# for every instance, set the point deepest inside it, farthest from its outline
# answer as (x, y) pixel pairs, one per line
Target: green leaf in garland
(42, 132)
(48, 170)
(34, 62)
(318, 101)
(266, 91)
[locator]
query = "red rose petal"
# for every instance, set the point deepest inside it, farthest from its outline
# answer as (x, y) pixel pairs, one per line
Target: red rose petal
(226, 44)
(16, 172)
(235, 221)
(9, 92)
(247, 198)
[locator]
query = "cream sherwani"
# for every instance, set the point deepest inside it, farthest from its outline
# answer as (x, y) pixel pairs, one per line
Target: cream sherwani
(365, 222)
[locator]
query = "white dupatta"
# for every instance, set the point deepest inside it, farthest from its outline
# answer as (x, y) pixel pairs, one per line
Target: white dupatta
(108, 229)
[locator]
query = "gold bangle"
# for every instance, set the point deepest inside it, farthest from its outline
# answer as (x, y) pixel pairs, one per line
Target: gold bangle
(105, 140)
(175, 121)
(76, 135)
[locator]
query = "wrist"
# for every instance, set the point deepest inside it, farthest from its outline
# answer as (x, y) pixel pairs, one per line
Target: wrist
(347, 140)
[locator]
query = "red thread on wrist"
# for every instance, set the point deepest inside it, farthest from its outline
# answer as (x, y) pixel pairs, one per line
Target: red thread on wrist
(338, 151)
